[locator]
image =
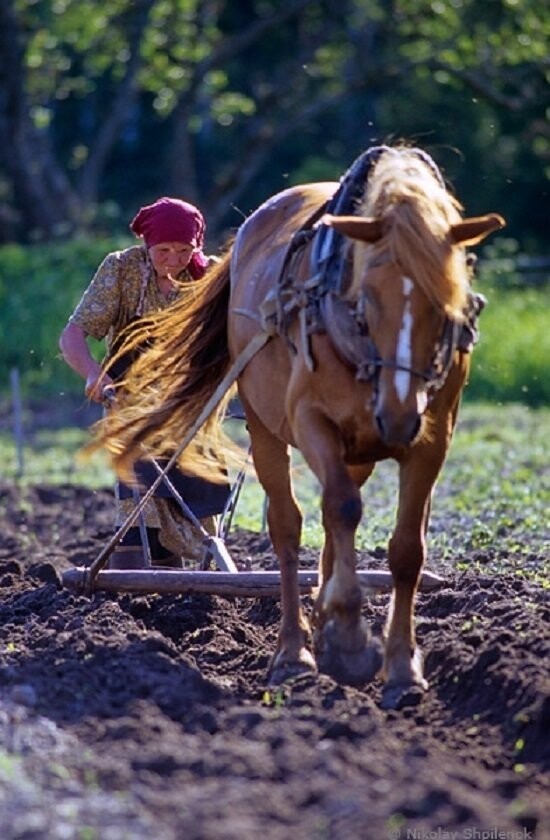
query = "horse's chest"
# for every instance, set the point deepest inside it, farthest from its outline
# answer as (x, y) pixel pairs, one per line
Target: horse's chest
(361, 441)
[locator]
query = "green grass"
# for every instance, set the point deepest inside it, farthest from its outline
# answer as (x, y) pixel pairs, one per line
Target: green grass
(491, 501)
(53, 457)
(493, 496)
(510, 363)
(490, 505)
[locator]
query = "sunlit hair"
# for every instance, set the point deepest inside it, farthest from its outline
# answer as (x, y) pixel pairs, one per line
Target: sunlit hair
(168, 385)
(418, 212)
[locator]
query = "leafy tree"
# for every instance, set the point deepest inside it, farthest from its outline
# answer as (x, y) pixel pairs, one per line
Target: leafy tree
(116, 102)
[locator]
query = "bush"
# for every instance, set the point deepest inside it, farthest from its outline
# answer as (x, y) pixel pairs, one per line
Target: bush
(39, 286)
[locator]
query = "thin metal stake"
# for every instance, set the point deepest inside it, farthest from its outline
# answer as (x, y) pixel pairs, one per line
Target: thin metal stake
(17, 421)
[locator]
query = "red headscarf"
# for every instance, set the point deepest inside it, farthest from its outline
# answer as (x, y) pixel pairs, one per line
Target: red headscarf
(173, 220)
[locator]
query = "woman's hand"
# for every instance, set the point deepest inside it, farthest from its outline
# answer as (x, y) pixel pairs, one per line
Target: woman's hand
(99, 386)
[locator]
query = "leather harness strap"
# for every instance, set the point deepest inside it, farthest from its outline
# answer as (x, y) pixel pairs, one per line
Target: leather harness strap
(320, 307)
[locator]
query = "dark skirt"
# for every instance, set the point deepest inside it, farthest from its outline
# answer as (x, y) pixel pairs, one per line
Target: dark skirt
(205, 498)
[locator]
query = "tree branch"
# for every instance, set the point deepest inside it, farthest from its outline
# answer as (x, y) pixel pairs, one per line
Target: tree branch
(230, 47)
(120, 106)
(259, 148)
(480, 85)
(182, 167)
(41, 190)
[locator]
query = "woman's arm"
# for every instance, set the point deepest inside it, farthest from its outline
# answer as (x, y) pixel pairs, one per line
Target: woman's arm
(75, 351)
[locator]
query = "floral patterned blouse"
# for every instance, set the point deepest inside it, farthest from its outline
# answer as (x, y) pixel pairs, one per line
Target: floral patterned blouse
(122, 289)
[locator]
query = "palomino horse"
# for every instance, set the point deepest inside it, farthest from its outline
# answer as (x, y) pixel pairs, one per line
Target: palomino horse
(365, 288)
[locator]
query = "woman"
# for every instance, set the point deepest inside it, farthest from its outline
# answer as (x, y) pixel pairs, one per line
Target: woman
(128, 285)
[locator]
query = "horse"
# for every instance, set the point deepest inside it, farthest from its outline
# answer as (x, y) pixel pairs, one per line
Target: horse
(364, 287)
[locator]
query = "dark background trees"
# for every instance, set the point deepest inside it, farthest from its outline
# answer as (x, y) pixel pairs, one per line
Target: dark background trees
(105, 105)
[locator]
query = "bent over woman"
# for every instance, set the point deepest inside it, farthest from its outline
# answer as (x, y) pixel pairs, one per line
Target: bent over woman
(128, 285)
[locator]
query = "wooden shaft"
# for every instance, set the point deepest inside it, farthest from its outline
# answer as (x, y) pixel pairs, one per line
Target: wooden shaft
(228, 584)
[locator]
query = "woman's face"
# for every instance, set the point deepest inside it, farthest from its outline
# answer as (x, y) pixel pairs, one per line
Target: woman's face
(170, 258)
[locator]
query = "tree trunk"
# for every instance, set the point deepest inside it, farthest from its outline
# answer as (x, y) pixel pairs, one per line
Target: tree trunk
(43, 197)
(119, 109)
(186, 176)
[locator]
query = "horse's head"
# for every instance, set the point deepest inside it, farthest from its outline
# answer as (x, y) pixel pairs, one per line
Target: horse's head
(410, 282)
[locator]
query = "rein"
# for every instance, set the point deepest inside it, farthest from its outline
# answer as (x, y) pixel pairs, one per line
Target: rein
(348, 330)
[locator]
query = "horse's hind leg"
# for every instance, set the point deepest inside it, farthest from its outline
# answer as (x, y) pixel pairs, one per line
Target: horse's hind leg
(272, 463)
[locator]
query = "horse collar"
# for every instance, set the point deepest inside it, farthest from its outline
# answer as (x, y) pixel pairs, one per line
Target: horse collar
(319, 305)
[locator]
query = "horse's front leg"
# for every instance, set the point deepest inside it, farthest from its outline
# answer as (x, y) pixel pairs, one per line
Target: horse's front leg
(343, 646)
(407, 553)
(359, 475)
(272, 464)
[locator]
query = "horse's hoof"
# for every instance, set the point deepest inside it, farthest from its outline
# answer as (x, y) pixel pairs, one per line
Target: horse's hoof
(355, 668)
(396, 697)
(281, 672)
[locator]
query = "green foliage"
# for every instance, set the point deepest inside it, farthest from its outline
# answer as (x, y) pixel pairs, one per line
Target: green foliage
(39, 286)
(510, 363)
(226, 101)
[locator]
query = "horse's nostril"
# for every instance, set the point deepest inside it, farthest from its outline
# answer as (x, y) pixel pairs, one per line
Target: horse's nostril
(398, 430)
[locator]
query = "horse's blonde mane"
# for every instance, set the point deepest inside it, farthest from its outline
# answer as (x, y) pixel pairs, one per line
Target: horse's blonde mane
(418, 211)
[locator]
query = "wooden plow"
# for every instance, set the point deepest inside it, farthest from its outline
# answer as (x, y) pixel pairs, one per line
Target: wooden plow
(227, 584)
(227, 580)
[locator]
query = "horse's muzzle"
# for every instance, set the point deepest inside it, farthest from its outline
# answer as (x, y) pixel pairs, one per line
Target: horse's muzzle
(398, 430)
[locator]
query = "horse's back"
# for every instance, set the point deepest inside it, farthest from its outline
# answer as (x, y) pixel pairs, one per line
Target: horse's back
(263, 239)
(256, 264)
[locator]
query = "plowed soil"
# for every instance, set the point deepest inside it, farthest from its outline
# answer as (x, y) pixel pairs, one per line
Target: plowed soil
(125, 716)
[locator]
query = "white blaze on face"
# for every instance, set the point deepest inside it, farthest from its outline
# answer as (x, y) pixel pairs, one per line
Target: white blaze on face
(403, 355)
(421, 402)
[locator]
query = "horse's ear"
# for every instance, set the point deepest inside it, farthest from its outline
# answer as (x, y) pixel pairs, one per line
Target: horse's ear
(366, 230)
(474, 230)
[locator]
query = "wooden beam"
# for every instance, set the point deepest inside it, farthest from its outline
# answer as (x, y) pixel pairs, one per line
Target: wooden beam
(227, 584)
